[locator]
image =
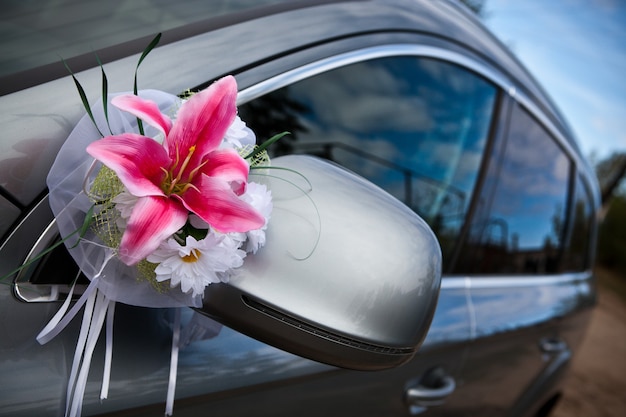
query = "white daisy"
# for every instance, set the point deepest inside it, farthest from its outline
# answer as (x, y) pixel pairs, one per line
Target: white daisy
(198, 263)
(259, 197)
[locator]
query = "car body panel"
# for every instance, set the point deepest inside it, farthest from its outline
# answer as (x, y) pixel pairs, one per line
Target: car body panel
(207, 56)
(488, 332)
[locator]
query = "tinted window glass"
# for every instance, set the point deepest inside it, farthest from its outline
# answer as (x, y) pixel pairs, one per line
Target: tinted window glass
(577, 252)
(416, 127)
(522, 225)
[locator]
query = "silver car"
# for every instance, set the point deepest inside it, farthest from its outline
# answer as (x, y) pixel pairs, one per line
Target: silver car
(418, 98)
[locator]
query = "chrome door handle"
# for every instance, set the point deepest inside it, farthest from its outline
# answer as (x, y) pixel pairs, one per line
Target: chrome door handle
(552, 345)
(431, 390)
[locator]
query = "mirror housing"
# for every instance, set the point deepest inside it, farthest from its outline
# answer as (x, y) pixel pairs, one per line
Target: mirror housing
(349, 275)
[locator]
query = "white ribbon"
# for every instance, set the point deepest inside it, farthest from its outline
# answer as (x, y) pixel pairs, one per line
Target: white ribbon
(98, 308)
(108, 355)
(60, 319)
(79, 350)
(171, 387)
(92, 323)
(97, 304)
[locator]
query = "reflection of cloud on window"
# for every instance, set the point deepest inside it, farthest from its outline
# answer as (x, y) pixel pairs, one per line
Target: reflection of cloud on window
(381, 104)
(466, 171)
(561, 168)
(378, 113)
(416, 127)
(529, 203)
(450, 76)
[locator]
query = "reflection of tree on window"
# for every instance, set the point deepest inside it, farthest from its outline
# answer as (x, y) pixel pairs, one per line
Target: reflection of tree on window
(275, 113)
(528, 204)
(416, 127)
(577, 256)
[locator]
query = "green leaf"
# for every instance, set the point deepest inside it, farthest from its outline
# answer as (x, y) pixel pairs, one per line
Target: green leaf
(89, 219)
(83, 97)
(105, 94)
(266, 144)
(145, 53)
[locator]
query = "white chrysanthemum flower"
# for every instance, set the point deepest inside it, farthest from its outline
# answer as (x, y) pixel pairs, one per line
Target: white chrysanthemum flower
(259, 197)
(239, 135)
(198, 263)
(124, 203)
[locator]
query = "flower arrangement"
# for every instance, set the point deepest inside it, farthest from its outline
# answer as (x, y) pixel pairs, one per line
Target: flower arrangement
(180, 206)
(160, 213)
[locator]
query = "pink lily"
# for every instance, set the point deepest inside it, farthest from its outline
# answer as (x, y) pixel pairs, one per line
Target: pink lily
(187, 173)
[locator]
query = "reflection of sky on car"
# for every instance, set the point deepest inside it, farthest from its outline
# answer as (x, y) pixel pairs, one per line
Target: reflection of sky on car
(433, 129)
(525, 306)
(576, 50)
(535, 165)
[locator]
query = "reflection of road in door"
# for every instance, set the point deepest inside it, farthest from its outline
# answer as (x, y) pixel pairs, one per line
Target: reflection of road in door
(596, 383)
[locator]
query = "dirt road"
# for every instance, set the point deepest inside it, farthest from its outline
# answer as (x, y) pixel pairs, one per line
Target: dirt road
(596, 385)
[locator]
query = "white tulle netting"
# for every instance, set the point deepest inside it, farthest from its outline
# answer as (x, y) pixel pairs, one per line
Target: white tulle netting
(72, 173)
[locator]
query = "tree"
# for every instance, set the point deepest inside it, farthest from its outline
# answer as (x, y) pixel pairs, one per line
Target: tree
(611, 172)
(612, 234)
(477, 6)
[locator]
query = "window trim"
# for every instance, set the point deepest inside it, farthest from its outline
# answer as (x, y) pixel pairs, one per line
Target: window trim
(491, 74)
(482, 281)
(405, 49)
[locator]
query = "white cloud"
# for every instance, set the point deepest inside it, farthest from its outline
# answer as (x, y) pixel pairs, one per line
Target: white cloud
(575, 49)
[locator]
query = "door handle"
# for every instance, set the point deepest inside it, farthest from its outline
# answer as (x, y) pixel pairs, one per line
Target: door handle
(552, 345)
(432, 389)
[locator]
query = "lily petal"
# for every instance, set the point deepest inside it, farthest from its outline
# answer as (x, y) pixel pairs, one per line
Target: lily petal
(137, 161)
(202, 121)
(227, 165)
(152, 220)
(215, 203)
(146, 110)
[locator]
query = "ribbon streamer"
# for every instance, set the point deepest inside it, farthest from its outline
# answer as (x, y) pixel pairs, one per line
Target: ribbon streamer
(171, 387)
(108, 355)
(97, 307)
(93, 322)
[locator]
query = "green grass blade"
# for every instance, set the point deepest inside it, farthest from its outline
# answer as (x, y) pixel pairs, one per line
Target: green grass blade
(293, 171)
(266, 144)
(83, 97)
(306, 194)
(105, 94)
(145, 53)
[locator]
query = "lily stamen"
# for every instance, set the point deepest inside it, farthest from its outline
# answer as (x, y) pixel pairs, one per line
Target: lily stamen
(182, 168)
(189, 185)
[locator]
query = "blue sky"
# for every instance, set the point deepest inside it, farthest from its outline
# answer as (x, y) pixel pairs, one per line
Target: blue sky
(577, 51)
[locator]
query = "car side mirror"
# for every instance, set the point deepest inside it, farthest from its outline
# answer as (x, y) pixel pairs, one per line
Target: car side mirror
(349, 275)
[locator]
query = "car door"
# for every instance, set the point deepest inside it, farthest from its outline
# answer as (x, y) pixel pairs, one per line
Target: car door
(395, 130)
(527, 257)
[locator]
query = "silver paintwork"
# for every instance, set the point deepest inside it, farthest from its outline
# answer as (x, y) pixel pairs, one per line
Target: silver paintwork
(342, 256)
(492, 354)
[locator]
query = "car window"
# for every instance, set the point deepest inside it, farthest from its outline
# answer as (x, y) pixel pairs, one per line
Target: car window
(521, 228)
(416, 127)
(577, 255)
